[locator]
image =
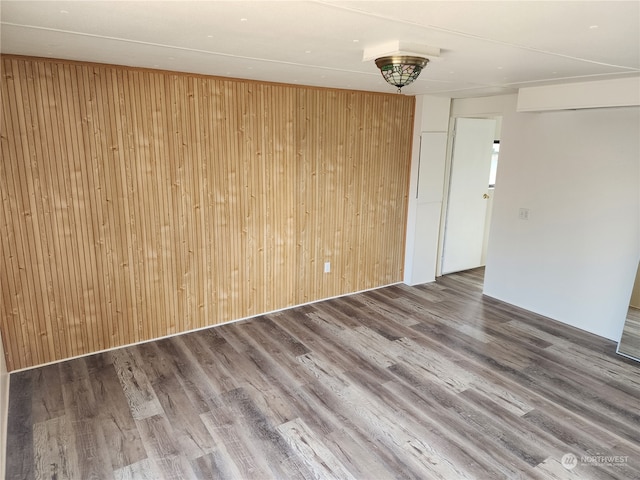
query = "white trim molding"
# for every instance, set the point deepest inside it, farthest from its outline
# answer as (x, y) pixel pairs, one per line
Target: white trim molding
(620, 92)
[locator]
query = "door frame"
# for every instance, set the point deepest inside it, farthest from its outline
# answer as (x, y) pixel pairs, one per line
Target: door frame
(447, 177)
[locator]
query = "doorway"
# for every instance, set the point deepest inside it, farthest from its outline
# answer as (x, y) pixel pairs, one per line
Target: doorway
(469, 194)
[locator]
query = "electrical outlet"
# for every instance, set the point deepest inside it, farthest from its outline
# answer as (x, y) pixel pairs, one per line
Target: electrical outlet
(523, 214)
(327, 267)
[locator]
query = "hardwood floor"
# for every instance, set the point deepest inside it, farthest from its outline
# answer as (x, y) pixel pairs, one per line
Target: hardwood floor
(434, 381)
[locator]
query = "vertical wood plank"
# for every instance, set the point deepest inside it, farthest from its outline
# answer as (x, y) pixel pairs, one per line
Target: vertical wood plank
(138, 204)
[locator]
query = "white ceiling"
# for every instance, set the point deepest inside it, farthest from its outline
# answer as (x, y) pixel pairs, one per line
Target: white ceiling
(487, 48)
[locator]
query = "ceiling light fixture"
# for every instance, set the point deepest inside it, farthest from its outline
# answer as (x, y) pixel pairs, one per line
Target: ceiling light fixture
(400, 70)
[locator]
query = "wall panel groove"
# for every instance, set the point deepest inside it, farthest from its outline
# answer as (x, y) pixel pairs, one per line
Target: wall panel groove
(138, 203)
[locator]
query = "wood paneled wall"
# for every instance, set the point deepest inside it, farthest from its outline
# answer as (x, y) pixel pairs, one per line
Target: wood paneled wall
(138, 203)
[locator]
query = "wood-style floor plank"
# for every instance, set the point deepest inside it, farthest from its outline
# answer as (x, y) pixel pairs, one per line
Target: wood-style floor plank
(114, 415)
(435, 381)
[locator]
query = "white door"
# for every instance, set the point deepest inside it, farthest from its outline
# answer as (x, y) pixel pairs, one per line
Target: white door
(468, 193)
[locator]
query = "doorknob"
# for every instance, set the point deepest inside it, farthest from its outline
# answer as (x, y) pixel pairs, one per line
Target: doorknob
(485, 196)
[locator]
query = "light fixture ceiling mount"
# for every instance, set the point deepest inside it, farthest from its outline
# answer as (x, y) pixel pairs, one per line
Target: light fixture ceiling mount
(400, 70)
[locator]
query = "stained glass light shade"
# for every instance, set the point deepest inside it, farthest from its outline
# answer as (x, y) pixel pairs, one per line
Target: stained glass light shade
(400, 71)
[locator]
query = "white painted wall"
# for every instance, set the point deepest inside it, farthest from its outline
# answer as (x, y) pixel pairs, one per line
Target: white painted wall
(575, 259)
(425, 190)
(484, 107)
